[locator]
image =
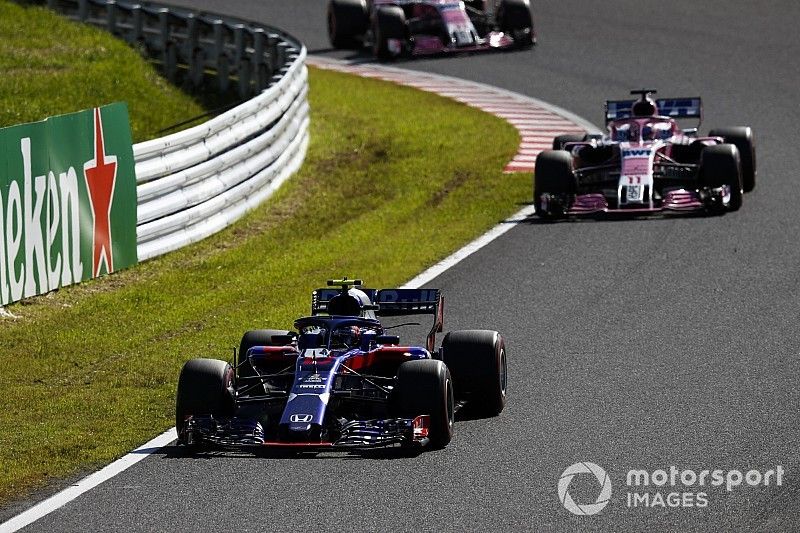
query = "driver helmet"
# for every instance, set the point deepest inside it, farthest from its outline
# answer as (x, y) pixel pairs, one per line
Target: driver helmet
(351, 304)
(346, 337)
(644, 108)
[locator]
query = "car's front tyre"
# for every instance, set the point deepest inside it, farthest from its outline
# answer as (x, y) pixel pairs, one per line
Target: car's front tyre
(554, 183)
(720, 166)
(742, 138)
(424, 387)
(347, 22)
(515, 19)
(389, 24)
(205, 387)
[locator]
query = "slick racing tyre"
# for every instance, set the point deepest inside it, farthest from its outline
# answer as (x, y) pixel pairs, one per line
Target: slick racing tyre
(256, 337)
(742, 138)
(389, 23)
(720, 165)
(514, 18)
(205, 387)
(553, 175)
(477, 361)
(560, 140)
(347, 22)
(424, 387)
(259, 337)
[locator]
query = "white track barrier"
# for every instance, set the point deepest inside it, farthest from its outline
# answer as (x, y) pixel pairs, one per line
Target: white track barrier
(194, 183)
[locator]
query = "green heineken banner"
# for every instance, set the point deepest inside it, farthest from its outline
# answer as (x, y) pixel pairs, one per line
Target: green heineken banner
(67, 201)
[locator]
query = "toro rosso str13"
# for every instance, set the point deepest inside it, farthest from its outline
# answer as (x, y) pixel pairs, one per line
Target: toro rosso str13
(423, 27)
(646, 163)
(340, 381)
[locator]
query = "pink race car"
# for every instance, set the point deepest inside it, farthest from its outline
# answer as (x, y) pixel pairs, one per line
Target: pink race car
(394, 28)
(646, 163)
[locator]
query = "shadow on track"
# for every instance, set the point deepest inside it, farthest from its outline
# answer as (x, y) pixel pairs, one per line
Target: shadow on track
(611, 217)
(174, 451)
(364, 56)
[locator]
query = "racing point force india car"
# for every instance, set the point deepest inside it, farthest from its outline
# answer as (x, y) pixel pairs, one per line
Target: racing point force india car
(339, 381)
(646, 163)
(423, 27)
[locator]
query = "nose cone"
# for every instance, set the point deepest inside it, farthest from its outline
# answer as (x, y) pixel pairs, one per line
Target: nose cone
(299, 428)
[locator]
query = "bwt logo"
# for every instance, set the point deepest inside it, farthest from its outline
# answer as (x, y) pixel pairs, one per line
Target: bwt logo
(589, 508)
(635, 153)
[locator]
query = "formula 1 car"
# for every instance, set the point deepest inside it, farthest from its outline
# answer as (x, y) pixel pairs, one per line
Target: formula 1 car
(340, 381)
(423, 27)
(646, 163)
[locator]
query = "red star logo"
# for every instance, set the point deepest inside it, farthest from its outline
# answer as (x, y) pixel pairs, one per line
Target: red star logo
(101, 175)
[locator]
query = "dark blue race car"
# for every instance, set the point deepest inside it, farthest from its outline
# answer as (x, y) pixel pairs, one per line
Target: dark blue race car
(340, 381)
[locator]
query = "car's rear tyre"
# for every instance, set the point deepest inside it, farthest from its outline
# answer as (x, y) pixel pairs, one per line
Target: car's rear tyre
(560, 140)
(424, 387)
(720, 165)
(205, 387)
(514, 18)
(554, 176)
(477, 5)
(389, 23)
(260, 337)
(477, 361)
(347, 22)
(256, 337)
(742, 138)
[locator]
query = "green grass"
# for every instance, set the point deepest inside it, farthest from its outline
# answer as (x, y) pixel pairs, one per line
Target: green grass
(394, 180)
(51, 66)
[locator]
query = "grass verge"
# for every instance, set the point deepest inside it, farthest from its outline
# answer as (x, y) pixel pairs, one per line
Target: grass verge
(52, 66)
(395, 179)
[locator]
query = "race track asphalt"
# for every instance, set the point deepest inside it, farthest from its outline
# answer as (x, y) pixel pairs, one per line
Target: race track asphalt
(634, 344)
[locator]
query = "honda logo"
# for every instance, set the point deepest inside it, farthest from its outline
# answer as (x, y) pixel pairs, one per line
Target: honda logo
(301, 418)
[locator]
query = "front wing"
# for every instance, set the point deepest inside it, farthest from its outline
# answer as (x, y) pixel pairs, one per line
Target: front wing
(239, 433)
(431, 45)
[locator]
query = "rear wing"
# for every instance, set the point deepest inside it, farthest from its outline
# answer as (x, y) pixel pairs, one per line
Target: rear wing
(393, 302)
(321, 297)
(667, 107)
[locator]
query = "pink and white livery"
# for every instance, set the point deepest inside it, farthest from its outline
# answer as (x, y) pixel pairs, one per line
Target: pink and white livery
(394, 28)
(646, 163)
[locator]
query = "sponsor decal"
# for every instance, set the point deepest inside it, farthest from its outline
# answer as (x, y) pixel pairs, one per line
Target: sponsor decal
(101, 175)
(67, 201)
(301, 418)
(637, 152)
(407, 295)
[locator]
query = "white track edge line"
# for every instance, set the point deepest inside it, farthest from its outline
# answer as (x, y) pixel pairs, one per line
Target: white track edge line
(461, 254)
(60, 499)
